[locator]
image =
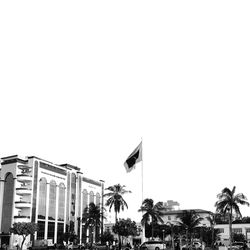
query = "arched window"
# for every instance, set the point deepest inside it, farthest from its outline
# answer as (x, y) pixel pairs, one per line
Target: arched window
(84, 200)
(61, 202)
(98, 199)
(52, 201)
(91, 197)
(73, 195)
(8, 203)
(42, 198)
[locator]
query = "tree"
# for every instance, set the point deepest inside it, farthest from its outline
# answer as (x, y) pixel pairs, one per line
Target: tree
(189, 221)
(125, 228)
(107, 236)
(24, 229)
(92, 216)
(152, 212)
(227, 203)
(115, 198)
(211, 219)
(238, 237)
(209, 236)
(70, 236)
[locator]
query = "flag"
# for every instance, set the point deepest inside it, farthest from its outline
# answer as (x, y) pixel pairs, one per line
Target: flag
(135, 157)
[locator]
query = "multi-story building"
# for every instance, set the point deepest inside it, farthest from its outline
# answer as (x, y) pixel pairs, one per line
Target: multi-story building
(53, 196)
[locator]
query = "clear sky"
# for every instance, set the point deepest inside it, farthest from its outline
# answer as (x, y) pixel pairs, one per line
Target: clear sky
(82, 82)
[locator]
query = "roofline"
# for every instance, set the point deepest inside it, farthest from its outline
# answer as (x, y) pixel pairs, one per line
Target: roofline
(38, 158)
(11, 156)
(182, 210)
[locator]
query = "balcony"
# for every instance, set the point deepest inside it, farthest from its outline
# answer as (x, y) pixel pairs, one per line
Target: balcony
(21, 218)
(24, 177)
(24, 167)
(22, 204)
(23, 191)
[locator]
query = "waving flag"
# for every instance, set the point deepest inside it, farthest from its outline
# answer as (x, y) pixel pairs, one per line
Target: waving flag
(134, 157)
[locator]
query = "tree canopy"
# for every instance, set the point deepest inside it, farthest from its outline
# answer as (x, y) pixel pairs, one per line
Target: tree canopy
(24, 229)
(125, 227)
(115, 198)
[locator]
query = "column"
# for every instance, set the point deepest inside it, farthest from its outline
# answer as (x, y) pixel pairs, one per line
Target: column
(47, 212)
(37, 204)
(87, 231)
(65, 210)
(94, 227)
(1, 203)
(12, 214)
(56, 214)
(81, 217)
(76, 205)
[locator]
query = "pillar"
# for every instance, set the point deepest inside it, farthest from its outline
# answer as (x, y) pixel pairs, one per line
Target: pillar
(47, 212)
(56, 214)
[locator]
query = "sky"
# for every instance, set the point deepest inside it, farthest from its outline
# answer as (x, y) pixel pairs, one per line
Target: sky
(83, 82)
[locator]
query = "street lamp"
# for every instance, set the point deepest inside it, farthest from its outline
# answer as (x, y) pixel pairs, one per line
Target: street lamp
(163, 236)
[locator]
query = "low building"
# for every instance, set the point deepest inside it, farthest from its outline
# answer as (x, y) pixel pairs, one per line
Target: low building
(51, 195)
(240, 228)
(172, 216)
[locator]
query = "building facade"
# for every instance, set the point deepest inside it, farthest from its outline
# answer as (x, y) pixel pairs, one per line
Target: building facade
(53, 196)
(172, 216)
(239, 228)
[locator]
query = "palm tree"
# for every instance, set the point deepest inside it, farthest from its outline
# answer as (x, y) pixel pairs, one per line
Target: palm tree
(92, 217)
(152, 212)
(189, 221)
(227, 203)
(211, 219)
(115, 198)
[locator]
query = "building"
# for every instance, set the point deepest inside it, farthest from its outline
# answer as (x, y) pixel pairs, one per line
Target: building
(53, 196)
(239, 228)
(172, 216)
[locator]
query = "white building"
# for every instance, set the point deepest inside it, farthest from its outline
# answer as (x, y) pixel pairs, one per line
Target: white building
(241, 228)
(53, 196)
(172, 216)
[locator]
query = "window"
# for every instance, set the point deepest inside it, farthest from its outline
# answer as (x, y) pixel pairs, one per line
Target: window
(52, 201)
(51, 230)
(40, 232)
(98, 200)
(91, 197)
(169, 217)
(221, 230)
(61, 204)
(237, 230)
(73, 196)
(84, 200)
(42, 199)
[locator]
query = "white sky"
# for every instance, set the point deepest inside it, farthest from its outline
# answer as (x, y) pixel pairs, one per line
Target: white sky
(83, 81)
